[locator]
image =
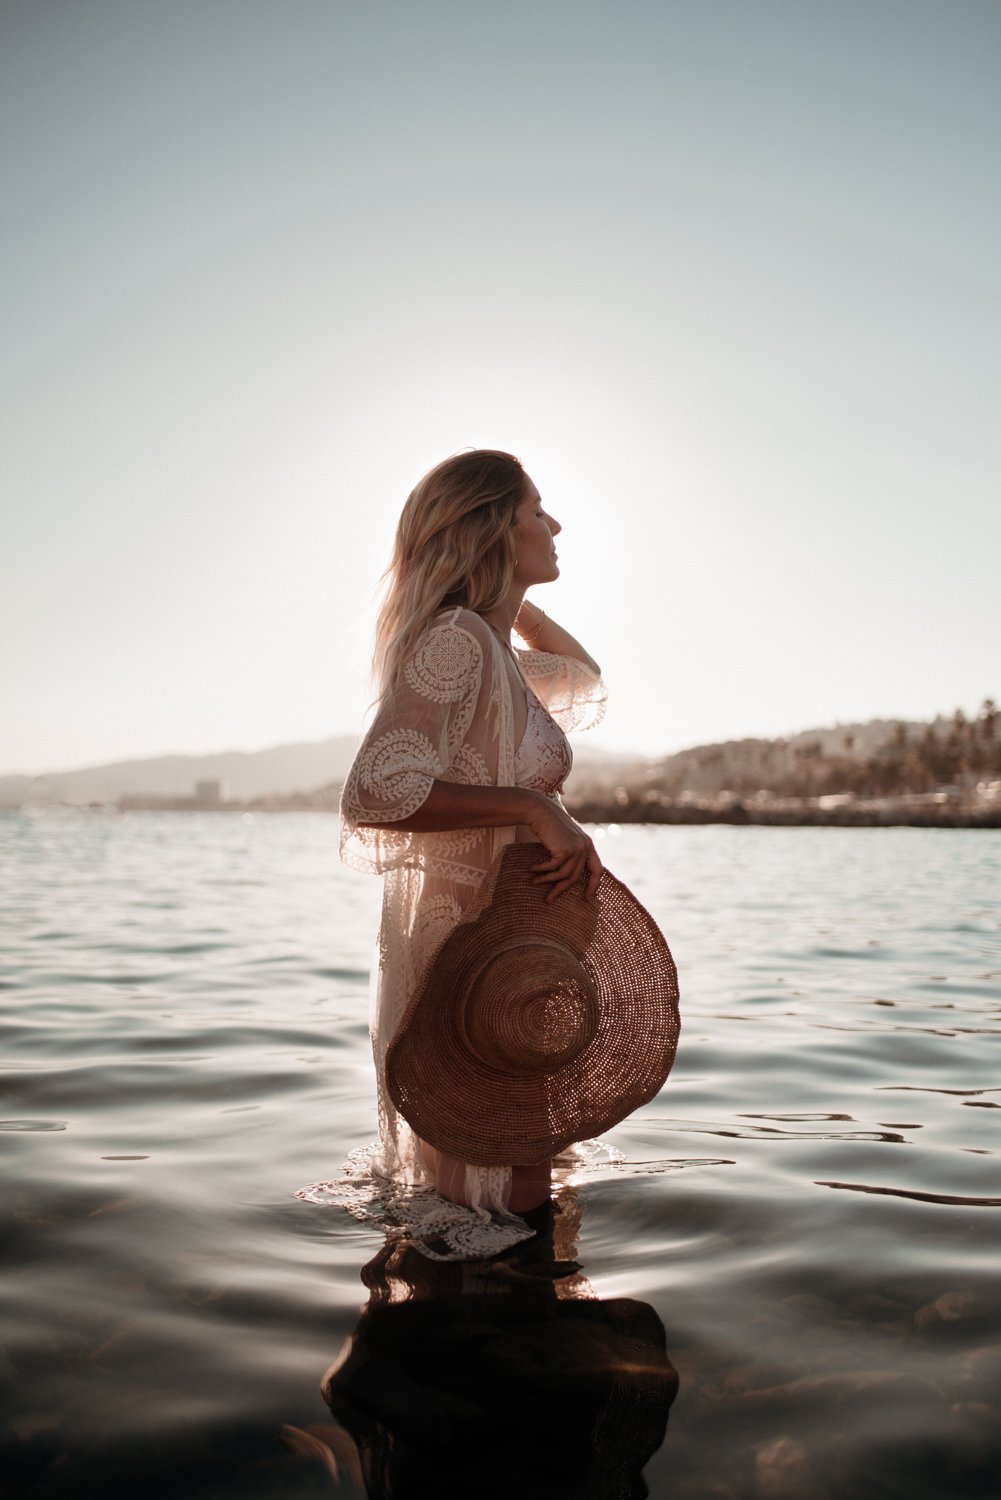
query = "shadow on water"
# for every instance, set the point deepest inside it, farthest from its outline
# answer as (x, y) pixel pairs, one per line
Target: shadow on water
(499, 1378)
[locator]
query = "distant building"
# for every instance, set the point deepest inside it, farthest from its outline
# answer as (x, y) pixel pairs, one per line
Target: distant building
(209, 794)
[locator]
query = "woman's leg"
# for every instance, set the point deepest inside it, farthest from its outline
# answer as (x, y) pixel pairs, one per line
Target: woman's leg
(446, 1174)
(530, 1186)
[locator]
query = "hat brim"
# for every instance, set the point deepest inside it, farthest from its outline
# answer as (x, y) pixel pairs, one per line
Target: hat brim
(491, 1113)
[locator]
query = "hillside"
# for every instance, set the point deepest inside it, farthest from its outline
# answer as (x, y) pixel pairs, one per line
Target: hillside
(280, 770)
(946, 772)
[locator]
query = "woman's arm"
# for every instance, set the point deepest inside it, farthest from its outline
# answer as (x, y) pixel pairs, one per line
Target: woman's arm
(455, 805)
(541, 633)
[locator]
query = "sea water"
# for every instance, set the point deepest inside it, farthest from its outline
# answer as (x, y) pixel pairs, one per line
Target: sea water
(791, 1271)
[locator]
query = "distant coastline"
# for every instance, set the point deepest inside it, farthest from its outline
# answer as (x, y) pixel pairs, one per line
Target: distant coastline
(934, 810)
(944, 773)
(790, 812)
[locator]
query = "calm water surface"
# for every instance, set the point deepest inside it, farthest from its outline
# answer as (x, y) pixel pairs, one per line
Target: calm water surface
(795, 1266)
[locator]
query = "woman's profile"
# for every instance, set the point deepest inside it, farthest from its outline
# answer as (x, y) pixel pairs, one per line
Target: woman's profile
(467, 753)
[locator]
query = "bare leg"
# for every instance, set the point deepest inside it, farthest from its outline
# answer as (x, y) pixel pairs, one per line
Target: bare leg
(530, 1186)
(447, 1173)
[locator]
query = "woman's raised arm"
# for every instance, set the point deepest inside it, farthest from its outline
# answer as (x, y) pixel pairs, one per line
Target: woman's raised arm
(540, 633)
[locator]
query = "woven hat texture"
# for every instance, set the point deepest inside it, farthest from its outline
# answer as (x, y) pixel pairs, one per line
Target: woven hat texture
(538, 1023)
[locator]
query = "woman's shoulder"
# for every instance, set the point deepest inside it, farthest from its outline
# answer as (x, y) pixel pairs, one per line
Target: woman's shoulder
(448, 661)
(457, 619)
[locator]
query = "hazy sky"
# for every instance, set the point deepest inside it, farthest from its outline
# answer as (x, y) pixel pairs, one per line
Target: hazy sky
(724, 273)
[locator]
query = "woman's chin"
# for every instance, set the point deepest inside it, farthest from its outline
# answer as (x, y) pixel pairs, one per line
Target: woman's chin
(549, 576)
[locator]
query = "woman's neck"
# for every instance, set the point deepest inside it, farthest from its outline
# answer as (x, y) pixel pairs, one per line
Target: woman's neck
(503, 615)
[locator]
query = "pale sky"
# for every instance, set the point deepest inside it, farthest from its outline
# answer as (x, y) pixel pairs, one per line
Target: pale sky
(724, 273)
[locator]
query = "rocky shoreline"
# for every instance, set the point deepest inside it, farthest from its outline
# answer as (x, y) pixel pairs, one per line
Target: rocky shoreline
(792, 813)
(937, 811)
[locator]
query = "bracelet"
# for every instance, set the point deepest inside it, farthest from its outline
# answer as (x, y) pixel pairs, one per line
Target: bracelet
(531, 635)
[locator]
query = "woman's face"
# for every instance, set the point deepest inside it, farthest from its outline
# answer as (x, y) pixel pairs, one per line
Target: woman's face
(533, 540)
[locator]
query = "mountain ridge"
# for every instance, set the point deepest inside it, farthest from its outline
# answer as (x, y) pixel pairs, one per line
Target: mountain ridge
(298, 766)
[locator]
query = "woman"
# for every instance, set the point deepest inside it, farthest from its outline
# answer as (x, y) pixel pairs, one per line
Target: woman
(467, 753)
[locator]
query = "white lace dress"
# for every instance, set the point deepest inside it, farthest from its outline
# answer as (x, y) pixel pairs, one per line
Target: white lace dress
(465, 712)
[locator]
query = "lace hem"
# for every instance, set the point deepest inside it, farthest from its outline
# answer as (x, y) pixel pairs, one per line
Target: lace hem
(435, 1226)
(439, 1229)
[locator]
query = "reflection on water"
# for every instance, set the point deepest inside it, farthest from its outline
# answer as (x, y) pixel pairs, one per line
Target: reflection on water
(810, 1207)
(501, 1378)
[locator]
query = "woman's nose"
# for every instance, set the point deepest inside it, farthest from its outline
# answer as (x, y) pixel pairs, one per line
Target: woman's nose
(554, 526)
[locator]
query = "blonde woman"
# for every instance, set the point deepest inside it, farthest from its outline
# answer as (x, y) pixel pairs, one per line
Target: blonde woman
(467, 753)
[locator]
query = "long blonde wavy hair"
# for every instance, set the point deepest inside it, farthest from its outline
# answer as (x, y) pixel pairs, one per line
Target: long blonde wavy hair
(454, 546)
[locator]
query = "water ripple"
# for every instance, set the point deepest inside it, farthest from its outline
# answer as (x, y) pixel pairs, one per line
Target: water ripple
(952, 1199)
(185, 1031)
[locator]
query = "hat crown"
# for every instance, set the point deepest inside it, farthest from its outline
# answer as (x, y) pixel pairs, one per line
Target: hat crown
(528, 1007)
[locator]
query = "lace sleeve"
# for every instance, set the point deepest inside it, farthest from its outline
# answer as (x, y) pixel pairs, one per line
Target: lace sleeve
(573, 694)
(414, 740)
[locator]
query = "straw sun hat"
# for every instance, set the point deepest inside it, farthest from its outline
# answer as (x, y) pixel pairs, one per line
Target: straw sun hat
(538, 1023)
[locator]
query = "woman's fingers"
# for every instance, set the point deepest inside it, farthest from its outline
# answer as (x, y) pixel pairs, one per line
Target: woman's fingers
(595, 870)
(563, 885)
(554, 868)
(561, 880)
(572, 854)
(561, 872)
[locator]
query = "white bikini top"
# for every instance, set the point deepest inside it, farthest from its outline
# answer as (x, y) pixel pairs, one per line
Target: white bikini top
(543, 759)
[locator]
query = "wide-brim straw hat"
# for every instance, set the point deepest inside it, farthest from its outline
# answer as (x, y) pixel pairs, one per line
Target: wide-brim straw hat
(538, 1023)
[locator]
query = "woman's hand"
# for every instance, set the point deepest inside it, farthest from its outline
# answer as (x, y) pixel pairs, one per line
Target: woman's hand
(452, 804)
(572, 852)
